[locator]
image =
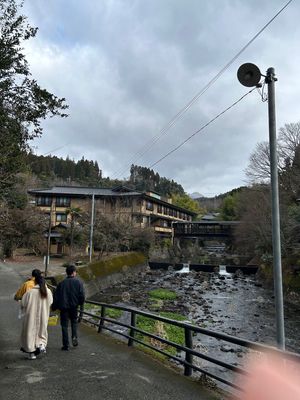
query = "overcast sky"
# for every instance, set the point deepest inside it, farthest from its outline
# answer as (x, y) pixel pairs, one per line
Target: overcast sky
(127, 67)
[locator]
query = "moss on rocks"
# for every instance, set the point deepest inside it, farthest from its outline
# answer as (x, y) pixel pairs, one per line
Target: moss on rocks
(106, 267)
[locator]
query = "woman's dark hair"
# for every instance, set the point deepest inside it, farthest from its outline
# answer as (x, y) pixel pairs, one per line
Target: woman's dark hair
(36, 272)
(39, 280)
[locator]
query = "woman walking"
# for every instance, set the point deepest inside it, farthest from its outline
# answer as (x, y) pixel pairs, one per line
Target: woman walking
(35, 305)
(29, 284)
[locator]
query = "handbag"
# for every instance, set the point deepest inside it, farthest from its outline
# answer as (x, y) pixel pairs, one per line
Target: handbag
(53, 320)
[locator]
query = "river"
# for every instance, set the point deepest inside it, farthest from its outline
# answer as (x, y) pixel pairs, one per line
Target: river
(233, 304)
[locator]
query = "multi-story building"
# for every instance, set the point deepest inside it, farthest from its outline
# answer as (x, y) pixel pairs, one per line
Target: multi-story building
(147, 209)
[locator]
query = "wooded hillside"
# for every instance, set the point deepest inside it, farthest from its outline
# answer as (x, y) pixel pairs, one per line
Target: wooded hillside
(51, 169)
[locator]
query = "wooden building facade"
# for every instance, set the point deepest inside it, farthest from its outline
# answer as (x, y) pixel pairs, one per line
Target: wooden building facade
(141, 209)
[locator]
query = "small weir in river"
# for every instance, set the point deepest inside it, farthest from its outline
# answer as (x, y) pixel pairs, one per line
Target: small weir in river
(186, 269)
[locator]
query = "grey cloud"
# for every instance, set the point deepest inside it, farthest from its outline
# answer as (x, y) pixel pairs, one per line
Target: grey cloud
(127, 67)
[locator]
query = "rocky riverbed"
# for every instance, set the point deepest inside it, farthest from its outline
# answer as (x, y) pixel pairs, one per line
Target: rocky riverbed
(233, 304)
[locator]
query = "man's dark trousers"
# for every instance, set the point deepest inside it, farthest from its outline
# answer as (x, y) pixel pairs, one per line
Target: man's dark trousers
(65, 316)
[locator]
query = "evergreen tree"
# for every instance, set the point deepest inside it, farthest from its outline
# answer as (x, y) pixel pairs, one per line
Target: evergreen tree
(23, 103)
(143, 179)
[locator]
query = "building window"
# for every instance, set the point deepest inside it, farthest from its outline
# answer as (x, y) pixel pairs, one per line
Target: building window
(62, 201)
(159, 208)
(125, 202)
(149, 206)
(43, 201)
(61, 217)
(175, 213)
(139, 219)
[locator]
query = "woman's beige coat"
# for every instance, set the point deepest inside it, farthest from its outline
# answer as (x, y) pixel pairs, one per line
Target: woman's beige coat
(35, 321)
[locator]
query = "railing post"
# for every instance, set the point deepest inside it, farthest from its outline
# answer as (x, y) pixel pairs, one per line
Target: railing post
(188, 356)
(132, 331)
(101, 323)
(80, 313)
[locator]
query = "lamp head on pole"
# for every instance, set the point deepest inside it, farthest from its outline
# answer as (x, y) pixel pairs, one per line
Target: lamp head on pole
(249, 75)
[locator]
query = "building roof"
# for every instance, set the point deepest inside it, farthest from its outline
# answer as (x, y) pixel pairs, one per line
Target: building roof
(83, 191)
(120, 191)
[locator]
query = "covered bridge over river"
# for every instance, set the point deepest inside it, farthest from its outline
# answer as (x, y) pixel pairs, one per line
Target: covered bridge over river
(205, 229)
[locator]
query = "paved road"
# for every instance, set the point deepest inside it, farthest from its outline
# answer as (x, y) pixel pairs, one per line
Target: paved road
(100, 368)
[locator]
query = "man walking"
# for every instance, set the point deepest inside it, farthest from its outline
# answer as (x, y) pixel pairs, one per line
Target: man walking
(68, 295)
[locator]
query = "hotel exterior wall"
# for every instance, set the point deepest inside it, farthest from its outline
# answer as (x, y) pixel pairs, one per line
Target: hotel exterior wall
(136, 210)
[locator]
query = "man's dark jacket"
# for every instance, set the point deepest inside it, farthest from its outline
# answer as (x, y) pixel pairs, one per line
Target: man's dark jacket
(68, 294)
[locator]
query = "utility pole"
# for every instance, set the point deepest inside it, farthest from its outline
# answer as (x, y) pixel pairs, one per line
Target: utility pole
(277, 268)
(92, 228)
(249, 75)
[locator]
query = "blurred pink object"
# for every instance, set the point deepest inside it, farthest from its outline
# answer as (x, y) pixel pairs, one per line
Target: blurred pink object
(271, 378)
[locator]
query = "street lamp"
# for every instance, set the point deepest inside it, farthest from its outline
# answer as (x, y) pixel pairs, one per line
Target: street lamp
(249, 75)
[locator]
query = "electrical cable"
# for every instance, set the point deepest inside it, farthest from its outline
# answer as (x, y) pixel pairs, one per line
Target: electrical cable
(48, 152)
(201, 129)
(179, 115)
(57, 148)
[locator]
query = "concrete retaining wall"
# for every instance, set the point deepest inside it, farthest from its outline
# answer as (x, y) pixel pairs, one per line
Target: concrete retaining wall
(101, 274)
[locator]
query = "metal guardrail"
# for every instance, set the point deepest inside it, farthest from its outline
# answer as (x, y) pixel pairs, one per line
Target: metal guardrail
(189, 330)
(188, 349)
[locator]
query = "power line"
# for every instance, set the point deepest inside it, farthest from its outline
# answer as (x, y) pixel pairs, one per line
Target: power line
(201, 129)
(181, 112)
(57, 148)
(45, 154)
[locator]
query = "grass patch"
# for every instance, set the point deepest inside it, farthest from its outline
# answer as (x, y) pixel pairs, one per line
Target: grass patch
(163, 330)
(163, 294)
(172, 315)
(113, 313)
(90, 307)
(109, 312)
